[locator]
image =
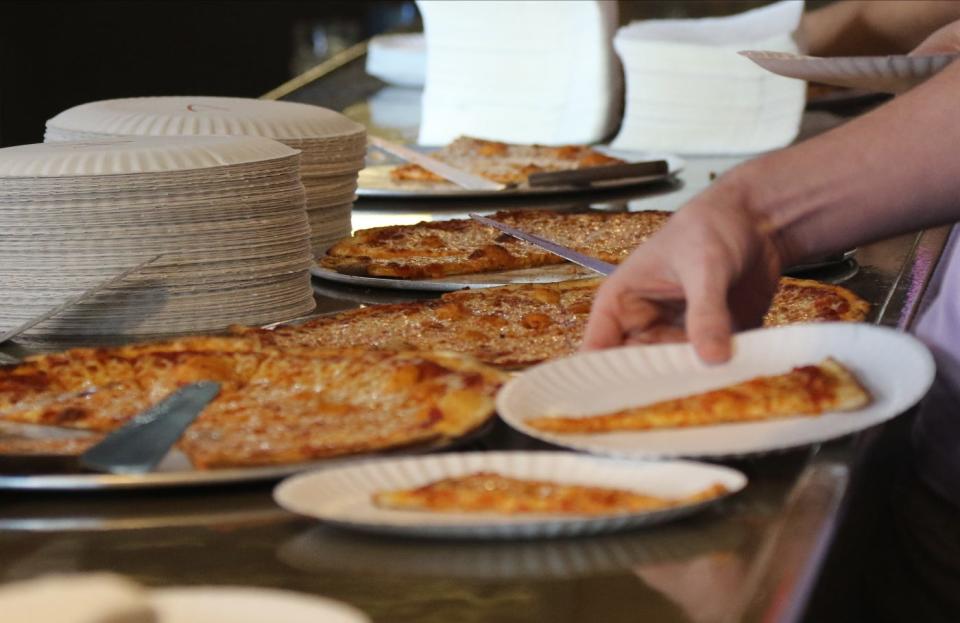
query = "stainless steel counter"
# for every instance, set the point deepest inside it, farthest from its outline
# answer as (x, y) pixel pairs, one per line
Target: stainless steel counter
(753, 558)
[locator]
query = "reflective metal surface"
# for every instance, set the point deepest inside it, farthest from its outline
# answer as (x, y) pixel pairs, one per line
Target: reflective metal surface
(753, 558)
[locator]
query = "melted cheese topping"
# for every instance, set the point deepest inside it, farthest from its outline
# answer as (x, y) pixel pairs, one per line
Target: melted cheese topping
(805, 300)
(274, 407)
(464, 246)
(515, 326)
(505, 162)
(511, 326)
(492, 492)
(807, 390)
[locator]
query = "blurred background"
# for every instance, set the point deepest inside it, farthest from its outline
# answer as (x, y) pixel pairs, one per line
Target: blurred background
(59, 54)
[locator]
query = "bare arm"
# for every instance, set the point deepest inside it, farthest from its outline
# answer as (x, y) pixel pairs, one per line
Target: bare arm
(894, 170)
(853, 27)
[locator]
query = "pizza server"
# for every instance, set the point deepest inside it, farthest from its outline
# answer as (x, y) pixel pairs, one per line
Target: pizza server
(134, 448)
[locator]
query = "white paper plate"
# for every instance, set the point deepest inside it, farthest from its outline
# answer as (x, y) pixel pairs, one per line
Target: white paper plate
(888, 74)
(896, 368)
(342, 496)
(375, 181)
(137, 155)
(227, 604)
(203, 115)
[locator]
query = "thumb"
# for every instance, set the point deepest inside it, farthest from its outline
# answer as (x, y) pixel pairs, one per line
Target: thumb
(942, 41)
(708, 321)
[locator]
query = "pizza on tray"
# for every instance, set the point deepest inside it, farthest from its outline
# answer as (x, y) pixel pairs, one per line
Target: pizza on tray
(505, 163)
(431, 249)
(518, 325)
(491, 492)
(804, 391)
(510, 326)
(274, 407)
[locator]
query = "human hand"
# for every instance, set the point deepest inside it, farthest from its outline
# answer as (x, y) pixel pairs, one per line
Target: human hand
(712, 269)
(942, 41)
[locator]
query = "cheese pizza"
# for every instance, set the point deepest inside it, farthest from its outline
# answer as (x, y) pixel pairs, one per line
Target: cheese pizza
(804, 391)
(518, 325)
(806, 300)
(510, 326)
(274, 407)
(432, 249)
(494, 493)
(504, 162)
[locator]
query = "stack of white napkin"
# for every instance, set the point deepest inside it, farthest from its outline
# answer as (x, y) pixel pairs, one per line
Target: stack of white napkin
(399, 59)
(688, 91)
(520, 71)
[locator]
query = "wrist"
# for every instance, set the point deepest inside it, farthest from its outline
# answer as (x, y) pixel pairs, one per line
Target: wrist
(748, 182)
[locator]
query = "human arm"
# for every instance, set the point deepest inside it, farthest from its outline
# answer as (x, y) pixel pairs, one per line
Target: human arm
(716, 263)
(851, 27)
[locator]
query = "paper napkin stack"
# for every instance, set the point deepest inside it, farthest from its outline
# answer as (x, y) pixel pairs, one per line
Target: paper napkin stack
(399, 59)
(332, 147)
(520, 71)
(688, 91)
(226, 213)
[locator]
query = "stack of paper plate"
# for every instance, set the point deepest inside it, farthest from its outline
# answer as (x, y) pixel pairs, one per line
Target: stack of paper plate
(226, 213)
(332, 147)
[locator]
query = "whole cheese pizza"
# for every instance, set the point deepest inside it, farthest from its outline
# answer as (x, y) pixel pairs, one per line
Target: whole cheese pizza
(510, 326)
(274, 407)
(494, 493)
(804, 391)
(431, 249)
(504, 162)
(518, 325)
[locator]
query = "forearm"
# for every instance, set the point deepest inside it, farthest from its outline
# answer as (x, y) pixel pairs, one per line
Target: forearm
(853, 28)
(894, 170)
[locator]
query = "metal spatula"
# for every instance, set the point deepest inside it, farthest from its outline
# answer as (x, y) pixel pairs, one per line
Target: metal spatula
(134, 448)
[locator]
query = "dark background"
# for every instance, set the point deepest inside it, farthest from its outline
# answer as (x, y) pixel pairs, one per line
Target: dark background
(54, 55)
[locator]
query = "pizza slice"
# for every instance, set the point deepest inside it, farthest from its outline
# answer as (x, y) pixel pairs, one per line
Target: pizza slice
(807, 300)
(494, 493)
(507, 163)
(318, 404)
(275, 407)
(432, 249)
(806, 390)
(514, 326)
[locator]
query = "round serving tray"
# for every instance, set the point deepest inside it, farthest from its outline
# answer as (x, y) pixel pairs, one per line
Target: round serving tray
(375, 181)
(175, 470)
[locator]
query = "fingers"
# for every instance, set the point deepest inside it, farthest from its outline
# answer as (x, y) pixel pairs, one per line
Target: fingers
(944, 40)
(615, 313)
(708, 321)
(622, 316)
(657, 334)
(628, 316)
